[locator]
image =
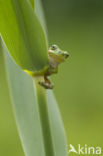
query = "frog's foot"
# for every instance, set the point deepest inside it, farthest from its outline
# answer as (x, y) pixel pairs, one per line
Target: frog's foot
(46, 85)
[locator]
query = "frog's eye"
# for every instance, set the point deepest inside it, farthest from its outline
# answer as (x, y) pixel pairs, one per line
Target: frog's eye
(54, 47)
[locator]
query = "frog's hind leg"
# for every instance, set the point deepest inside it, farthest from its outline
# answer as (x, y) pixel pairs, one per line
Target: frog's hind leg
(47, 83)
(47, 79)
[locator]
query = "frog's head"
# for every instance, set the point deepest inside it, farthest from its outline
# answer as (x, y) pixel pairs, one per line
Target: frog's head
(57, 54)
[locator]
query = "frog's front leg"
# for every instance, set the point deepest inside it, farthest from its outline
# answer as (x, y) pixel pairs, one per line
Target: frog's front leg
(47, 84)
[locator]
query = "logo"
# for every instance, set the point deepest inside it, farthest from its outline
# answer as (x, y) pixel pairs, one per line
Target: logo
(84, 150)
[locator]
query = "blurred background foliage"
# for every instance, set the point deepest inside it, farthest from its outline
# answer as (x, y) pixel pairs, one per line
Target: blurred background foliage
(76, 26)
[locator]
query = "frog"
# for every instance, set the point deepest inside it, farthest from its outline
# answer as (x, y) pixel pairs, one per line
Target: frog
(56, 56)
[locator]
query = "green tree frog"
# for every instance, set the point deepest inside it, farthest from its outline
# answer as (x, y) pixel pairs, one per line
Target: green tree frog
(56, 56)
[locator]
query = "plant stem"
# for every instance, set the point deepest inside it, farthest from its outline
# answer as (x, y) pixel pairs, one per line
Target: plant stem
(44, 118)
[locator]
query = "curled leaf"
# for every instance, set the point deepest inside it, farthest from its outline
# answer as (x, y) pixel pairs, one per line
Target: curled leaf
(23, 35)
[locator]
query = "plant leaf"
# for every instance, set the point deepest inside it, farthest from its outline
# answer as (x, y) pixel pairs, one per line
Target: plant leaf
(32, 3)
(57, 127)
(51, 123)
(25, 106)
(40, 14)
(23, 35)
(28, 114)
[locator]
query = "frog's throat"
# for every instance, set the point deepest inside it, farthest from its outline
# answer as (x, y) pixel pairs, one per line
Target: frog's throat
(37, 73)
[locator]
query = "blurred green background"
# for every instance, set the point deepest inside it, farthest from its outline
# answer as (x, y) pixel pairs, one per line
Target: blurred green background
(76, 26)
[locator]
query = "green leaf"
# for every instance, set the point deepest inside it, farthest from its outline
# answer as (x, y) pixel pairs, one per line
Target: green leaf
(57, 127)
(44, 119)
(23, 35)
(38, 119)
(37, 136)
(52, 127)
(25, 106)
(32, 3)
(40, 14)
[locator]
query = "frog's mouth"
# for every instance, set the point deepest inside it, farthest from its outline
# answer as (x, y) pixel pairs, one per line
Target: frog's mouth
(58, 58)
(64, 54)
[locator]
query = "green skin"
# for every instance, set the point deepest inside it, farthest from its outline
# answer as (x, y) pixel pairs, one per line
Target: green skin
(56, 56)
